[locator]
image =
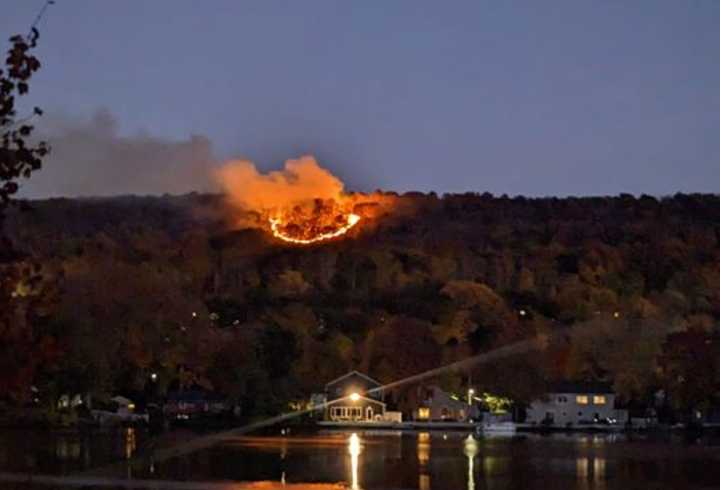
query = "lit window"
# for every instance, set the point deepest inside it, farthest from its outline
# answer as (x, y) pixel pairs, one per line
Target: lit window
(423, 413)
(581, 399)
(599, 399)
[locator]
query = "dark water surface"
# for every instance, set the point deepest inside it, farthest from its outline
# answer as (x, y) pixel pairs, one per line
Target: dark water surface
(387, 460)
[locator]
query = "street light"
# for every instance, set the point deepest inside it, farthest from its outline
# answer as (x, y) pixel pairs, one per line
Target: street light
(153, 376)
(471, 392)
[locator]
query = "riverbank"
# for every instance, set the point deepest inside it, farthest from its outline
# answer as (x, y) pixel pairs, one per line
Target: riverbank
(519, 427)
(442, 426)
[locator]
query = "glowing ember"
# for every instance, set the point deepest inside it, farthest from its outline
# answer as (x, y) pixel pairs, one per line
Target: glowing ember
(278, 227)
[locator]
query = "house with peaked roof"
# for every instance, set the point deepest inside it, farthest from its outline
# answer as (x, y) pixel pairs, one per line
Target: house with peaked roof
(354, 397)
(576, 404)
(437, 405)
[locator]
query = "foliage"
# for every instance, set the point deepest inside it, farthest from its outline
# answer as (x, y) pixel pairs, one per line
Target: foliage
(23, 345)
(149, 283)
(691, 369)
(18, 158)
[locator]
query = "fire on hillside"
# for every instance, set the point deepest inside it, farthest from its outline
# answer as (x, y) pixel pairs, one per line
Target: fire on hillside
(302, 204)
(324, 222)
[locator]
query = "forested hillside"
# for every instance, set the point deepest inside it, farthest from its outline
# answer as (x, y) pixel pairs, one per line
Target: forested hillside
(135, 285)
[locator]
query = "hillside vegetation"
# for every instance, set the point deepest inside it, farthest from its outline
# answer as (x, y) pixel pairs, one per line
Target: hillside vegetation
(136, 285)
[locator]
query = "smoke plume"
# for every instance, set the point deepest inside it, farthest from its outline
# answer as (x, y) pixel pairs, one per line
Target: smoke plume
(301, 181)
(90, 158)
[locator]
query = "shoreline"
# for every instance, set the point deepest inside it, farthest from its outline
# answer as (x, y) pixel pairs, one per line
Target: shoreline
(519, 427)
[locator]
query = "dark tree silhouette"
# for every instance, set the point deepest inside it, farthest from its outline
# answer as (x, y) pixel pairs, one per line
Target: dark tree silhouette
(18, 157)
(19, 278)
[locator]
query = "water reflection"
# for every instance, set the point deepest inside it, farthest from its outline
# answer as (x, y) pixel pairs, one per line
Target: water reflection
(471, 450)
(423, 456)
(67, 450)
(423, 448)
(581, 465)
(354, 450)
(489, 465)
(591, 468)
(599, 472)
(130, 442)
(409, 461)
(424, 482)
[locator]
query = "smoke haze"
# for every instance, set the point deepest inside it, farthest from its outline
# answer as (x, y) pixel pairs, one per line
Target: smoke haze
(300, 181)
(90, 158)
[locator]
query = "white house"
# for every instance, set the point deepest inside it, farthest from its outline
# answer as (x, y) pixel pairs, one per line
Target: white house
(354, 397)
(573, 404)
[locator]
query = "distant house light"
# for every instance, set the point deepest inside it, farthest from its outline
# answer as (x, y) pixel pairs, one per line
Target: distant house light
(599, 400)
(581, 400)
(423, 413)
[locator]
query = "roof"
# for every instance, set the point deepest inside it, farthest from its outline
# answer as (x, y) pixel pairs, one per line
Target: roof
(591, 388)
(347, 398)
(121, 400)
(352, 373)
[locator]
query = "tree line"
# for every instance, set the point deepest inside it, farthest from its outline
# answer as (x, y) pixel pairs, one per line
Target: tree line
(137, 285)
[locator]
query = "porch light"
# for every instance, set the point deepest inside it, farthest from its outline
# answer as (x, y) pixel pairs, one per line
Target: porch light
(354, 397)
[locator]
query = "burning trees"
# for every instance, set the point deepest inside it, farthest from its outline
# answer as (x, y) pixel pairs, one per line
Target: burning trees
(321, 220)
(301, 204)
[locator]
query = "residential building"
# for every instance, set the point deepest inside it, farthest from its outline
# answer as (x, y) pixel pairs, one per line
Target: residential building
(354, 397)
(437, 405)
(572, 404)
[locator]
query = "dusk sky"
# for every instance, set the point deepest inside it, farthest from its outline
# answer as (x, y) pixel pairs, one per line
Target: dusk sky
(519, 97)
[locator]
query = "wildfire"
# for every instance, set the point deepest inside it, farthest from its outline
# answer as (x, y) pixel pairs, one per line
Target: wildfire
(302, 203)
(278, 227)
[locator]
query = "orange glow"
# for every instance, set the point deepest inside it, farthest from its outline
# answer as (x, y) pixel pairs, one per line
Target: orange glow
(280, 229)
(301, 204)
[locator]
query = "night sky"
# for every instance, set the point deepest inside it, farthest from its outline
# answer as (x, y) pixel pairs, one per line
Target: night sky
(518, 97)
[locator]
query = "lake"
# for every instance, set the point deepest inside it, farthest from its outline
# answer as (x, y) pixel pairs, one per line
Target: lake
(382, 460)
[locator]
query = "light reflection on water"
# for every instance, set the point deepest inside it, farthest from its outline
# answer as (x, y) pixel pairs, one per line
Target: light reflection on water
(471, 450)
(423, 457)
(354, 450)
(130, 442)
(591, 469)
(371, 460)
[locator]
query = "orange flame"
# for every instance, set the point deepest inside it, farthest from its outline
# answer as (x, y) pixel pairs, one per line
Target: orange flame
(303, 203)
(276, 223)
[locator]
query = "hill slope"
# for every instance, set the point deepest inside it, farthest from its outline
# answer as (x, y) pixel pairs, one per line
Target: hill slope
(162, 284)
